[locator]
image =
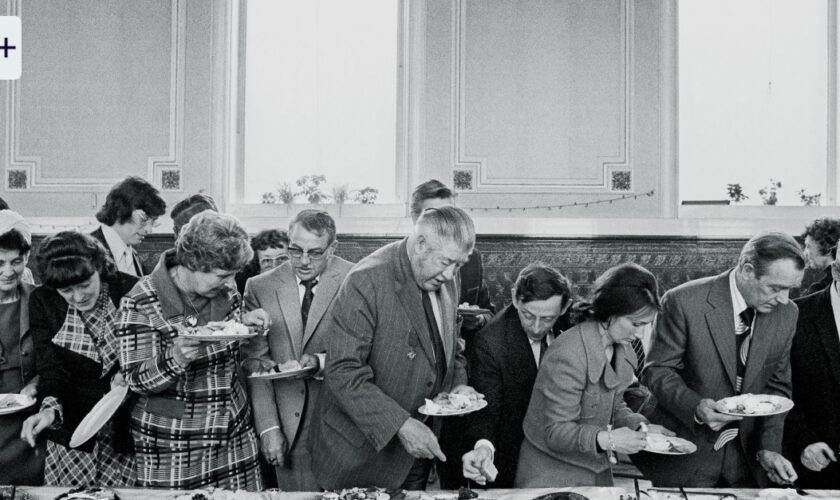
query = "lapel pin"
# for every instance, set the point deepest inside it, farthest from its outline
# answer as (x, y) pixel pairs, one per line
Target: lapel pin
(411, 355)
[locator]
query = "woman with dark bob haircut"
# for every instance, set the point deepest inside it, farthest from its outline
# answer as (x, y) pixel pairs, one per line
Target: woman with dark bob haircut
(191, 423)
(72, 316)
(577, 419)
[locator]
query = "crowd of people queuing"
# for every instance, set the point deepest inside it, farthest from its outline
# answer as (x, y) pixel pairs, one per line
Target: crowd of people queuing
(568, 382)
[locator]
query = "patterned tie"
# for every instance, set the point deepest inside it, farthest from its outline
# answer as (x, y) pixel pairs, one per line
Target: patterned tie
(639, 349)
(307, 299)
(543, 348)
(743, 336)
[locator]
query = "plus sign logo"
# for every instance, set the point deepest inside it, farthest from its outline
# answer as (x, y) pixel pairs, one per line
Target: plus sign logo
(10, 49)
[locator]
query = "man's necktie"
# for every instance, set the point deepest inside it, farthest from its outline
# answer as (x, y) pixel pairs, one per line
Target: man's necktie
(306, 303)
(543, 348)
(743, 337)
(437, 343)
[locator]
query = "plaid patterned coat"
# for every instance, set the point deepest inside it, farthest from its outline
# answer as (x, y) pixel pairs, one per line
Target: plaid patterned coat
(184, 418)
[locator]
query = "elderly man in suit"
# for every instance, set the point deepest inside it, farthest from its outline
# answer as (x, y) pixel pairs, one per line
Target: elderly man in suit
(718, 337)
(297, 295)
(812, 429)
(503, 366)
(393, 342)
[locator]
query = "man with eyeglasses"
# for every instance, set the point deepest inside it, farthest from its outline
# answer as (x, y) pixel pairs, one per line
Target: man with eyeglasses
(129, 214)
(503, 366)
(297, 295)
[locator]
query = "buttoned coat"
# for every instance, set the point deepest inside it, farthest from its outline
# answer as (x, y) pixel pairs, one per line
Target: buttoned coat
(692, 357)
(380, 367)
(578, 392)
(282, 403)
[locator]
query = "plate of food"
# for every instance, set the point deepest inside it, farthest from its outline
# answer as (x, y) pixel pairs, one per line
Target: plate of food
(562, 495)
(448, 404)
(364, 494)
(467, 309)
(213, 493)
(220, 331)
(13, 403)
(669, 445)
(89, 493)
(756, 405)
(290, 369)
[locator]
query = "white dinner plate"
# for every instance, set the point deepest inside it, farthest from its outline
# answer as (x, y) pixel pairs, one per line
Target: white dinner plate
(665, 445)
(99, 415)
(293, 374)
(480, 404)
(780, 404)
(13, 403)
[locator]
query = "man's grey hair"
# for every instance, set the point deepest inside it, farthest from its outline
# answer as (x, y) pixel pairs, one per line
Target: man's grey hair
(212, 241)
(765, 248)
(449, 224)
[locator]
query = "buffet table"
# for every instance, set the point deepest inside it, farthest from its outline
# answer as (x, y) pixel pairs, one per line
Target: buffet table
(593, 493)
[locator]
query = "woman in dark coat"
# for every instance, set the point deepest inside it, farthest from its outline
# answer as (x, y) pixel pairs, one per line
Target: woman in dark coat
(19, 463)
(72, 318)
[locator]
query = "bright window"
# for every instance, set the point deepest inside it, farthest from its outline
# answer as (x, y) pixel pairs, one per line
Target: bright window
(321, 97)
(753, 99)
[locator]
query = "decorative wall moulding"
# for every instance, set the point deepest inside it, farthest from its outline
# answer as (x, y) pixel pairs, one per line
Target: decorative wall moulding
(483, 141)
(169, 180)
(28, 169)
(463, 180)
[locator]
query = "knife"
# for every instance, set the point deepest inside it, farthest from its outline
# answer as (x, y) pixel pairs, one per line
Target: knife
(636, 485)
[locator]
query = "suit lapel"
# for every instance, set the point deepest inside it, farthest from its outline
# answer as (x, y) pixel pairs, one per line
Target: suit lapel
(324, 292)
(288, 296)
(763, 337)
(827, 331)
(721, 323)
(519, 347)
(138, 266)
(411, 299)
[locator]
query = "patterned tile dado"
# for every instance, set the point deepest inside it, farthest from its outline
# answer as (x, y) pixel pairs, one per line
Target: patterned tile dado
(582, 260)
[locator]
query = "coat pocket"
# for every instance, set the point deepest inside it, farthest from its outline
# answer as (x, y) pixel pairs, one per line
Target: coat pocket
(344, 428)
(165, 407)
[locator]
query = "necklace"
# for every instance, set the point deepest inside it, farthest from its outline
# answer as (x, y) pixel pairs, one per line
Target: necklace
(190, 319)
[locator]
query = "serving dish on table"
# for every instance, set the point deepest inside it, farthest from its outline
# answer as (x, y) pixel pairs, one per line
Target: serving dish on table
(669, 445)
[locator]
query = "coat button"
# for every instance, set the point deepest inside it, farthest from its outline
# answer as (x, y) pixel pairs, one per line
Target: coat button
(303, 391)
(24, 353)
(429, 383)
(297, 414)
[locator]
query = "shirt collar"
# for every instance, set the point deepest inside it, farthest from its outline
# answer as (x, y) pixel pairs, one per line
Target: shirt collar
(115, 243)
(738, 302)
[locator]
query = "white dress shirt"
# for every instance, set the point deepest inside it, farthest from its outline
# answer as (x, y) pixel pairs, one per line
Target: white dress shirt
(123, 254)
(536, 347)
(302, 288)
(835, 304)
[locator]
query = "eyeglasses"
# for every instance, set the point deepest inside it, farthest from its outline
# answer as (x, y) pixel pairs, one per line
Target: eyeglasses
(146, 222)
(270, 261)
(314, 254)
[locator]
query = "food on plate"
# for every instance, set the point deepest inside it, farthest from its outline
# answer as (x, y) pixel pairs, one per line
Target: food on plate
(562, 495)
(288, 366)
(219, 328)
(12, 492)
(9, 401)
(466, 494)
(448, 402)
(660, 443)
(212, 493)
(779, 494)
(364, 494)
(89, 493)
(467, 305)
(751, 404)
(677, 495)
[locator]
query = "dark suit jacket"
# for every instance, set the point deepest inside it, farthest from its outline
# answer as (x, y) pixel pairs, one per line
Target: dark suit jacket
(825, 280)
(693, 356)
(380, 368)
(138, 265)
(502, 367)
(815, 366)
(73, 379)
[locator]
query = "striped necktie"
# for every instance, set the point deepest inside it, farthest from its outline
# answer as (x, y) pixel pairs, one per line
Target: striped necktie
(743, 337)
(639, 349)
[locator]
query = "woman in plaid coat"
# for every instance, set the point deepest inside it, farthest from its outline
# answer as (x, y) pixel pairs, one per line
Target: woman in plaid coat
(191, 423)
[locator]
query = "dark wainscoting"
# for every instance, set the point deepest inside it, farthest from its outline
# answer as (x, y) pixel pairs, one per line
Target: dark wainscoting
(674, 260)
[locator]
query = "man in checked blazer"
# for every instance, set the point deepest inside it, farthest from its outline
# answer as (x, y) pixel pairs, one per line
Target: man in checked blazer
(393, 341)
(283, 409)
(694, 362)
